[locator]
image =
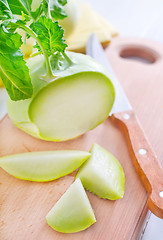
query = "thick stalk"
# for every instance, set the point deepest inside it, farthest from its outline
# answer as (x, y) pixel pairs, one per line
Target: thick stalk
(67, 59)
(32, 34)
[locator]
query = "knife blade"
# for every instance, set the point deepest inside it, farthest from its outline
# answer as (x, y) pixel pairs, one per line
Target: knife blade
(3, 102)
(95, 50)
(144, 158)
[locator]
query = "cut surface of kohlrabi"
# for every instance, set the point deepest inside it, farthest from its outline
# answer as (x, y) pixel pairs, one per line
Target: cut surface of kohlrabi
(75, 101)
(43, 166)
(71, 106)
(102, 174)
(73, 211)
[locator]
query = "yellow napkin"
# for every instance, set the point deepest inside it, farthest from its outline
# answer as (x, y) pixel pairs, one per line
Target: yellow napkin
(1, 83)
(89, 23)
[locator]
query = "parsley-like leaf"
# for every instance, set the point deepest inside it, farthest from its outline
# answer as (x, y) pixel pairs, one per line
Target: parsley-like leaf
(57, 9)
(13, 70)
(19, 6)
(50, 35)
(38, 12)
(5, 12)
(24, 6)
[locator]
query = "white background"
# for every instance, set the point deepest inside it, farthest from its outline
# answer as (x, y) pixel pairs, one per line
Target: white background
(136, 18)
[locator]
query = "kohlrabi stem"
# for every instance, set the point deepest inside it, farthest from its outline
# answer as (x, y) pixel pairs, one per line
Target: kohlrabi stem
(32, 34)
(67, 59)
(49, 13)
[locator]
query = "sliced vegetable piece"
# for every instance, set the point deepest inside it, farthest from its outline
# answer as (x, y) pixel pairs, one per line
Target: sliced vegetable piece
(73, 212)
(77, 100)
(43, 166)
(102, 174)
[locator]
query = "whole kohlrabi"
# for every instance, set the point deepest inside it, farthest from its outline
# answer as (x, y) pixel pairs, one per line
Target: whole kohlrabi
(55, 95)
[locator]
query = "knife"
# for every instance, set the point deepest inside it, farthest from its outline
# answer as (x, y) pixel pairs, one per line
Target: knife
(144, 158)
(3, 103)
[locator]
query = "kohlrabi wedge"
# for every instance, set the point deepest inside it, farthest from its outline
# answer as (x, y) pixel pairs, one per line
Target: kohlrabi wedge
(102, 174)
(66, 106)
(43, 166)
(73, 212)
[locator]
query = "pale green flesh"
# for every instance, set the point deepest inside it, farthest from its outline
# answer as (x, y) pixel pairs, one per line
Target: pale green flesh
(73, 211)
(102, 174)
(73, 109)
(71, 106)
(43, 166)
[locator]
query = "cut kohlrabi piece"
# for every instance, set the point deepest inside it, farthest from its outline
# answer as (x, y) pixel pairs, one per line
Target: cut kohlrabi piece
(73, 212)
(43, 166)
(66, 106)
(102, 174)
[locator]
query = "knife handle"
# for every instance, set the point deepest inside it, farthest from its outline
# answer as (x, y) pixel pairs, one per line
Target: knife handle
(144, 159)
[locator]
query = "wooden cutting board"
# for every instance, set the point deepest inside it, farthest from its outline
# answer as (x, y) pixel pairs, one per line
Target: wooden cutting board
(24, 205)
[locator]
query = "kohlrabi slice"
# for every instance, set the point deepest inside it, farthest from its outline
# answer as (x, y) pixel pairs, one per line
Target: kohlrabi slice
(75, 101)
(43, 166)
(71, 106)
(73, 212)
(102, 174)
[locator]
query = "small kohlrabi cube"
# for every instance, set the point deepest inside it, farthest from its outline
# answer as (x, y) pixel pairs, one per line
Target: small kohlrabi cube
(73, 212)
(43, 166)
(102, 174)
(76, 100)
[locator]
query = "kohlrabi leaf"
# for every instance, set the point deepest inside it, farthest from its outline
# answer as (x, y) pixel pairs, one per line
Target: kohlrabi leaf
(24, 6)
(13, 70)
(12, 24)
(37, 12)
(57, 9)
(50, 35)
(19, 6)
(4, 2)
(5, 12)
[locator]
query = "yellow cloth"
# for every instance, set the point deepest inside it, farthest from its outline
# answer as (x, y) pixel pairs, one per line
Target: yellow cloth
(1, 83)
(89, 23)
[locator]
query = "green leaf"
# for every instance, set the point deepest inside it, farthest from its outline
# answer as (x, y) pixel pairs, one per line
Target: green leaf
(19, 6)
(13, 70)
(38, 12)
(12, 24)
(50, 35)
(57, 9)
(4, 2)
(5, 12)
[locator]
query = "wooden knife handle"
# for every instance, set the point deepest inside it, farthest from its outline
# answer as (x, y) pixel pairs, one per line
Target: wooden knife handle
(144, 159)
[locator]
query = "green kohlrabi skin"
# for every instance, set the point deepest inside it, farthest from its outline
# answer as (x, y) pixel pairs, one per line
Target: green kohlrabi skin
(84, 111)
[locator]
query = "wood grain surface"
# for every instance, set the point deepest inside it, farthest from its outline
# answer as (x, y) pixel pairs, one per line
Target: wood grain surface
(24, 205)
(144, 159)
